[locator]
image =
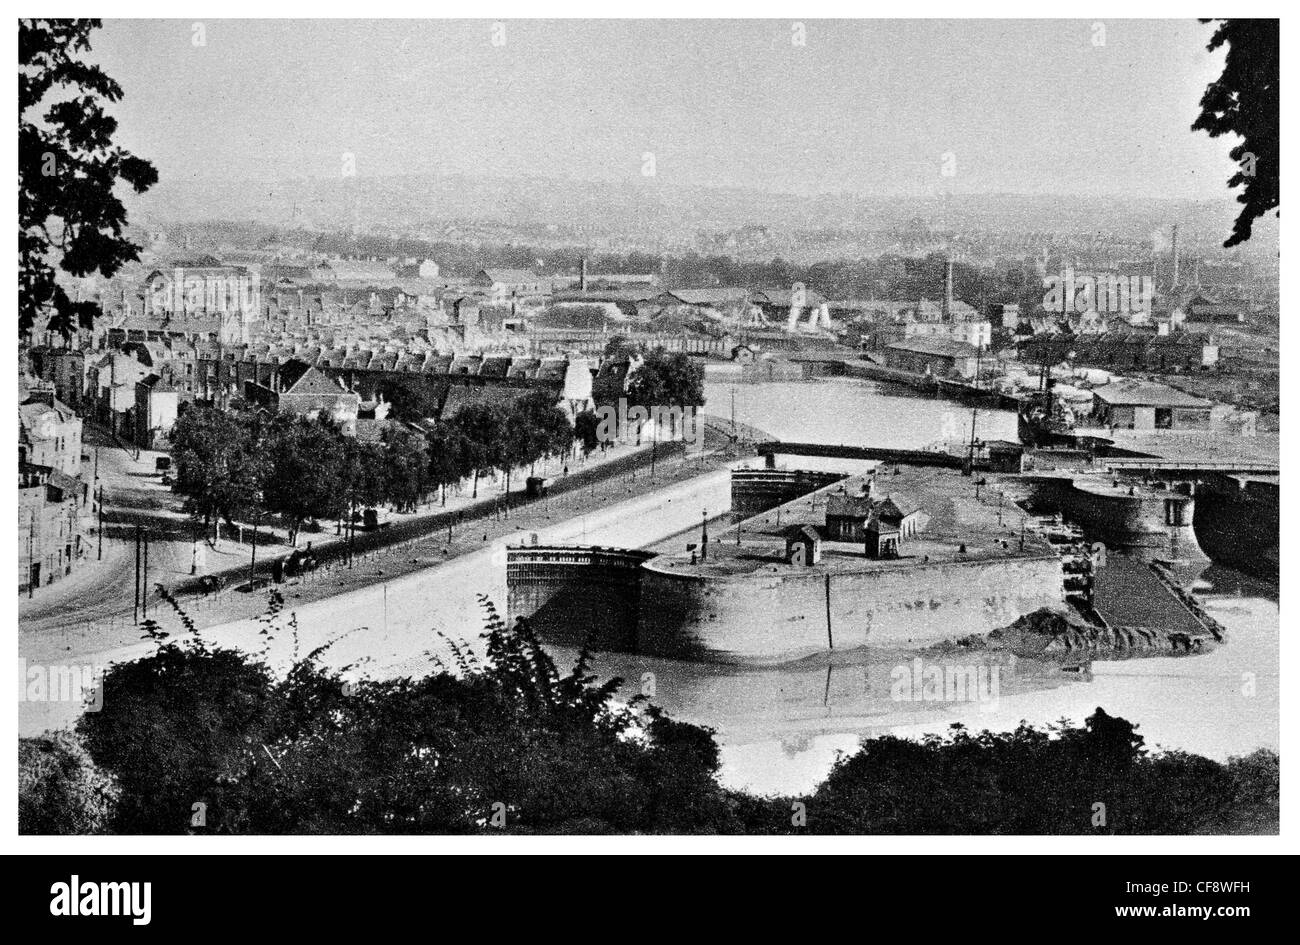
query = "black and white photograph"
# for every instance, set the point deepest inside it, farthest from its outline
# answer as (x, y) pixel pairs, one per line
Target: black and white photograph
(799, 429)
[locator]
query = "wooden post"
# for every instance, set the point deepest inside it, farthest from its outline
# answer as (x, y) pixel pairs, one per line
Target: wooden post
(136, 606)
(830, 639)
(252, 563)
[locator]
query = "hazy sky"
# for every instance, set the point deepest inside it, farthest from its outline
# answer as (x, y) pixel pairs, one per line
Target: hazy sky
(868, 106)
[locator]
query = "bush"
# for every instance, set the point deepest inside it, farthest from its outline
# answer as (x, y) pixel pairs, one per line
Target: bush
(60, 791)
(510, 744)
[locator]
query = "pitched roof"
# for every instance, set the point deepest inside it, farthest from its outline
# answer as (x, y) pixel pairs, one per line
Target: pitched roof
(849, 506)
(707, 296)
(512, 276)
(941, 347)
(1130, 393)
(315, 381)
(897, 505)
(804, 531)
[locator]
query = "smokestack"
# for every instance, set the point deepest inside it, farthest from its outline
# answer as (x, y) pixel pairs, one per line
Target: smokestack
(948, 291)
(1174, 285)
(582, 275)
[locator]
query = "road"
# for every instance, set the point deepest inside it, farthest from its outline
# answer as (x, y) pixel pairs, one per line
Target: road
(388, 627)
(100, 591)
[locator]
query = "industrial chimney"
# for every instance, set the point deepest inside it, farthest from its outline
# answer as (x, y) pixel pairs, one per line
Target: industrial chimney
(1174, 285)
(947, 292)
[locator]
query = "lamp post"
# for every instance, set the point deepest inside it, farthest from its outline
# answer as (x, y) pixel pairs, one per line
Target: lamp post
(252, 564)
(31, 556)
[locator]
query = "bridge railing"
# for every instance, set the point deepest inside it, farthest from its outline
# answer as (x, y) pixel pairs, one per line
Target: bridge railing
(1171, 465)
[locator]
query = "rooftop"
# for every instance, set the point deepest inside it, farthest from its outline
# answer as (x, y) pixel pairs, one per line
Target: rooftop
(957, 519)
(943, 347)
(1133, 393)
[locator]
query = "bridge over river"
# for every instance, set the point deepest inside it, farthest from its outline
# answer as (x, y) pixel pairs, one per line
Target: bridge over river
(772, 448)
(1187, 468)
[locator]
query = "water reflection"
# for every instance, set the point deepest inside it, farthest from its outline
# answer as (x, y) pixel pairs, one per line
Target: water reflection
(780, 729)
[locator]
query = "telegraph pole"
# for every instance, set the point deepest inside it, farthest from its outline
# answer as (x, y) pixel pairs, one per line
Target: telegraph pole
(100, 529)
(136, 606)
(252, 564)
(144, 584)
(974, 413)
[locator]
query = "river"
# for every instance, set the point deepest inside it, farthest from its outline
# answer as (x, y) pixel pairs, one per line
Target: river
(780, 729)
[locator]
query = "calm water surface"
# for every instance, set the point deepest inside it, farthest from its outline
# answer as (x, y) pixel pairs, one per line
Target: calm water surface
(780, 729)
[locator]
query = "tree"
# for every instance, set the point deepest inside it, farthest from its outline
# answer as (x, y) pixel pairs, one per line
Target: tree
(307, 472)
(585, 429)
(182, 725)
(1244, 100)
(535, 428)
(666, 380)
(409, 398)
(512, 743)
(60, 791)
(406, 468)
(448, 462)
(365, 477)
(219, 461)
(519, 443)
(67, 168)
(619, 347)
(482, 439)
(304, 752)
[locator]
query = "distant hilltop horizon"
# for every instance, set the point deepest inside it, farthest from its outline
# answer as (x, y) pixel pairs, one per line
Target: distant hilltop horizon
(667, 210)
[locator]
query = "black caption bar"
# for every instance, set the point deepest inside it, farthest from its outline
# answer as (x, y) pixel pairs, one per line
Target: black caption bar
(214, 894)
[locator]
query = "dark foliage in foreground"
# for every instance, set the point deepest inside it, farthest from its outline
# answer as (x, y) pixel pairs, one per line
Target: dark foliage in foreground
(1245, 101)
(199, 739)
(68, 168)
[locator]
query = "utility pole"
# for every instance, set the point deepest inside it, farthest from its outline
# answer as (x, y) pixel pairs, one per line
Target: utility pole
(974, 413)
(352, 531)
(970, 453)
(31, 559)
(144, 583)
(830, 639)
(100, 530)
(252, 563)
(136, 606)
